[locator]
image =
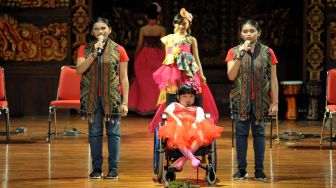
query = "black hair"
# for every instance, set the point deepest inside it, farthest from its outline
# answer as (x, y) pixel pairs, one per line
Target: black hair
(251, 22)
(95, 20)
(151, 11)
(179, 19)
(185, 89)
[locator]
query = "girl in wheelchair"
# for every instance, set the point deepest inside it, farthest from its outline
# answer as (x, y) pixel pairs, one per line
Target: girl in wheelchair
(186, 127)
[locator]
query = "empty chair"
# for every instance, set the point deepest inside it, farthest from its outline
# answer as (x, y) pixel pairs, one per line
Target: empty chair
(68, 94)
(4, 110)
(330, 106)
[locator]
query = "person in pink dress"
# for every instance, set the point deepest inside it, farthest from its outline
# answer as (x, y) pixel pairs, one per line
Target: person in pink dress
(149, 55)
(181, 66)
(186, 128)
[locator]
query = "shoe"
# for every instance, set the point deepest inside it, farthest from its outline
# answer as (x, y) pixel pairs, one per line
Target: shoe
(96, 174)
(260, 175)
(112, 174)
(194, 161)
(180, 163)
(240, 175)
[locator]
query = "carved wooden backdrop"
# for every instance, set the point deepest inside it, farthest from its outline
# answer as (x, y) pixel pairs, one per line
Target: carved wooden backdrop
(35, 42)
(37, 37)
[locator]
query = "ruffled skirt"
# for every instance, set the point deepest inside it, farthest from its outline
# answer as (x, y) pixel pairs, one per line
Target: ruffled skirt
(204, 133)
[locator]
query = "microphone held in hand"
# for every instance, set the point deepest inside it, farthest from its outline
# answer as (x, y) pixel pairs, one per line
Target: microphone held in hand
(242, 53)
(101, 39)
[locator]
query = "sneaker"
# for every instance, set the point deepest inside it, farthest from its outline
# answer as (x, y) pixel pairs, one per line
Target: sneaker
(240, 175)
(112, 174)
(96, 174)
(259, 175)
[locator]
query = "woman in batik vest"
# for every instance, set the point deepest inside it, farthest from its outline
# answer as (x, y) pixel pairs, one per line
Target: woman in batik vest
(104, 93)
(252, 67)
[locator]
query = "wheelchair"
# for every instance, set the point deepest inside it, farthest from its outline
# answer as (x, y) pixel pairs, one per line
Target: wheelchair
(163, 158)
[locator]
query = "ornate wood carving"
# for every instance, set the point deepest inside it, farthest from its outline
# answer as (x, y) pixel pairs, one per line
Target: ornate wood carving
(25, 42)
(35, 3)
(331, 3)
(332, 43)
(314, 53)
(80, 22)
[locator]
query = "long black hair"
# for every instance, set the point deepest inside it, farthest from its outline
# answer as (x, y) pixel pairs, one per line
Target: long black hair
(151, 11)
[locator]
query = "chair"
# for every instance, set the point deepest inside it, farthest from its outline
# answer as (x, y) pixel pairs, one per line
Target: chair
(270, 119)
(68, 94)
(4, 110)
(167, 172)
(330, 106)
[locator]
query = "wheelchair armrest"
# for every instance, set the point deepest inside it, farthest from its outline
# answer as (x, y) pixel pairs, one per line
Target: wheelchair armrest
(164, 116)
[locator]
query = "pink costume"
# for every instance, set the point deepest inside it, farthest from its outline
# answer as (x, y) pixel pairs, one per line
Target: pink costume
(180, 67)
(143, 91)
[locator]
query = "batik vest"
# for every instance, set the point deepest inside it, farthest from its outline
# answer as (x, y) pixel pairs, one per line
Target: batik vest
(109, 82)
(240, 96)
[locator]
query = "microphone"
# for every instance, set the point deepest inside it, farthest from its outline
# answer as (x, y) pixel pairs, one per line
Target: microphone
(242, 53)
(101, 39)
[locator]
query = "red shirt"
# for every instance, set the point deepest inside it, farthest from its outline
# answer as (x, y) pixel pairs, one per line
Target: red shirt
(230, 57)
(123, 58)
(123, 55)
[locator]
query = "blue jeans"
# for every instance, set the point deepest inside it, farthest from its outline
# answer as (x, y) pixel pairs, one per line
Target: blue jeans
(96, 130)
(242, 131)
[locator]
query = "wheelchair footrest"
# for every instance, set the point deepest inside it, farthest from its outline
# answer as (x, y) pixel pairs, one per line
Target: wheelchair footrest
(172, 169)
(206, 167)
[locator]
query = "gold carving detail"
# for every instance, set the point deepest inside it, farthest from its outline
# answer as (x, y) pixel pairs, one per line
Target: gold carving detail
(331, 3)
(35, 3)
(315, 18)
(25, 42)
(80, 22)
(332, 31)
(315, 56)
(314, 53)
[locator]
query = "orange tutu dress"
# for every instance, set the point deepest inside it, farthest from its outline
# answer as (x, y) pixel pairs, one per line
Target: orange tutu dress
(203, 131)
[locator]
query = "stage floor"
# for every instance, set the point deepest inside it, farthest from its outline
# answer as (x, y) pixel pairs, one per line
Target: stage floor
(29, 161)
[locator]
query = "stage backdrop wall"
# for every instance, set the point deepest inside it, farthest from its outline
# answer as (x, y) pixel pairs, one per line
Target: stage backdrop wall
(38, 37)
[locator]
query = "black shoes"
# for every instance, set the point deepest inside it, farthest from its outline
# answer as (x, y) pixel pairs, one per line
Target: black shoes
(260, 175)
(240, 175)
(96, 174)
(112, 174)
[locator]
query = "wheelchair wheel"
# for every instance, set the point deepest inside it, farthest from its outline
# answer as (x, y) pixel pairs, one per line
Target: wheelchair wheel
(158, 156)
(211, 176)
(213, 160)
(168, 176)
(155, 152)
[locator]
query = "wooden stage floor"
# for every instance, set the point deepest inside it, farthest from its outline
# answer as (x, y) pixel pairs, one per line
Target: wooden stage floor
(29, 161)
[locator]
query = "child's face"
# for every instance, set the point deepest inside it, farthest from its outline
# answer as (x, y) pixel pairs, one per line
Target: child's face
(186, 99)
(249, 32)
(183, 26)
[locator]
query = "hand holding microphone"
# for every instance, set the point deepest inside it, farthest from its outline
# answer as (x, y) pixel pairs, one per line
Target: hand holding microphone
(100, 48)
(244, 48)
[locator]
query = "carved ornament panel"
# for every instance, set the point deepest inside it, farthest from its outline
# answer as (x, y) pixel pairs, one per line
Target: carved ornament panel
(25, 42)
(35, 3)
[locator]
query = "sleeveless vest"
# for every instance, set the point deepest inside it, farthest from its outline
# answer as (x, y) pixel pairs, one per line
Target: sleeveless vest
(109, 82)
(240, 96)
